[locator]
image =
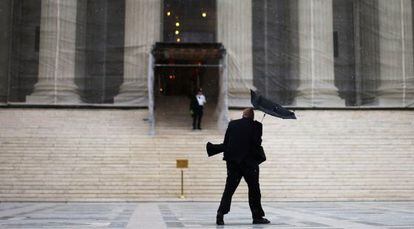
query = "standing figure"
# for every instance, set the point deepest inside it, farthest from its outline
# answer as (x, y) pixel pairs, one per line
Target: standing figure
(196, 108)
(243, 138)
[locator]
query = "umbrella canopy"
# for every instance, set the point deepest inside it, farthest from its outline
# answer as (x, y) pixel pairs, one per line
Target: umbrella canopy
(261, 103)
(213, 149)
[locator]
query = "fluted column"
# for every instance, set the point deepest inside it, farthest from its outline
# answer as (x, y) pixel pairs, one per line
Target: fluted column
(235, 33)
(142, 30)
(316, 60)
(57, 54)
(396, 53)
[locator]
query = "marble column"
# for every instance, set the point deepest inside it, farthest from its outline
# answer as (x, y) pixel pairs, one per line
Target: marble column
(142, 30)
(316, 60)
(56, 80)
(235, 33)
(396, 53)
(5, 32)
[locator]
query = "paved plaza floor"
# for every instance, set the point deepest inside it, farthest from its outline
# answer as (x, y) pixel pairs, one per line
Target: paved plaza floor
(153, 215)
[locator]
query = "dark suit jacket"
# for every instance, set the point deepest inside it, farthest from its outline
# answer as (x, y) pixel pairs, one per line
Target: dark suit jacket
(194, 106)
(242, 138)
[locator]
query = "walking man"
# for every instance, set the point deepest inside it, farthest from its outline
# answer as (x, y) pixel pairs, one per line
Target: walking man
(242, 138)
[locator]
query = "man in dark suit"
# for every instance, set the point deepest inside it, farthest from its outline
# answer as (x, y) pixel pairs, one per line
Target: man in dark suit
(196, 108)
(242, 138)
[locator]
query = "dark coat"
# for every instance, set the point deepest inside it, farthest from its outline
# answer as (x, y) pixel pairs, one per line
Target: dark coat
(194, 106)
(243, 137)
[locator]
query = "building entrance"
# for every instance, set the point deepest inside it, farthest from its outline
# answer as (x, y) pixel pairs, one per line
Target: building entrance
(180, 70)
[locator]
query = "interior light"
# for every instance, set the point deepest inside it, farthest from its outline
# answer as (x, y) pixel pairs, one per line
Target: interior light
(178, 39)
(177, 32)
(177, 24)
(204, 14)
(168, 13)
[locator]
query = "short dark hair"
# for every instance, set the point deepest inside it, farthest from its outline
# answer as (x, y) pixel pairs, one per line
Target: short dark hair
(248, 113)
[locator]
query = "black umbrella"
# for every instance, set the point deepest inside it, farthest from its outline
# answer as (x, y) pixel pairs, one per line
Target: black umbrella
(268, 107)
(213, 149)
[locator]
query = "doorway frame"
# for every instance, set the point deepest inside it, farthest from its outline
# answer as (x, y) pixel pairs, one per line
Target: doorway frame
(222, 109)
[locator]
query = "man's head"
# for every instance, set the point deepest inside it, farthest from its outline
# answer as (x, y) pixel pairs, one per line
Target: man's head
(248, 113)
(200, 91)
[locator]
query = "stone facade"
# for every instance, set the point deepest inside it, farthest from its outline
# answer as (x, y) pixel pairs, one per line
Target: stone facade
(310, 53)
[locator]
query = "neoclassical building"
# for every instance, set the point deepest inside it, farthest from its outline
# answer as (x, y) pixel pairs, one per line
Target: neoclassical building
(149, 55)
(301, 53)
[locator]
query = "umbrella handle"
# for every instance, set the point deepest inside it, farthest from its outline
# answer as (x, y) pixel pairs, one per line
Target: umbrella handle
(264, 114)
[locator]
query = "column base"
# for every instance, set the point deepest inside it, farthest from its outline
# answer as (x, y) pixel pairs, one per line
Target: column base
(45, 93)
(239, 102)
(319, 102)
(239, 99)
(132, 94)
(131, 100)
(393, 94)
(52, 99)
(396, 99)
(239, 93)
(318, 99)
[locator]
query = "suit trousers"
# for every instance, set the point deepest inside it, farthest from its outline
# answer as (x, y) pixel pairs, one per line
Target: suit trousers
(197, 119)
(250, 173)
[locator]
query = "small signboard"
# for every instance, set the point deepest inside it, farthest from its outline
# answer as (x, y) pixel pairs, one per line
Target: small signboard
(182, 163)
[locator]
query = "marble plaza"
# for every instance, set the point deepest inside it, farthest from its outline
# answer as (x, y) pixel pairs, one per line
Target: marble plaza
(155, 215)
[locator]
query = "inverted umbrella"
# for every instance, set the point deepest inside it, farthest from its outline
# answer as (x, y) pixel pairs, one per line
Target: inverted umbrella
(268, 107)
(213, 149)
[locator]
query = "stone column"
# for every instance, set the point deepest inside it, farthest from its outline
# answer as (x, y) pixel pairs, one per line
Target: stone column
(396, 53)
(234, 21)
(142, 30)
(57, 54)
(5, 32)
(316, 60)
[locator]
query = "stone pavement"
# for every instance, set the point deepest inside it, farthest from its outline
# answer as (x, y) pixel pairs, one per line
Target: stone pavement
(306, 215)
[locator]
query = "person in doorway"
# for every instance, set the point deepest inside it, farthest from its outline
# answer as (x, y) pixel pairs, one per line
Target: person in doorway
(196, 108)
(242, 139)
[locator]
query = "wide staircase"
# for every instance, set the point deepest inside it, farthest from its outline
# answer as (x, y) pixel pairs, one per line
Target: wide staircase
(107, 155)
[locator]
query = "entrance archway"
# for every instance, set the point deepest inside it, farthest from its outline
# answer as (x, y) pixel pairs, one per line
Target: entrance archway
(177, 70)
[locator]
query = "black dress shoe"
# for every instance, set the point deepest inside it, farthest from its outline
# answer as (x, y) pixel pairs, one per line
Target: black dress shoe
(261, 221)
(219, 219)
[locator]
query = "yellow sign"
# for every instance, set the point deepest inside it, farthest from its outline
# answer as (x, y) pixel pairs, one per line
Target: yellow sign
(182, 163)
